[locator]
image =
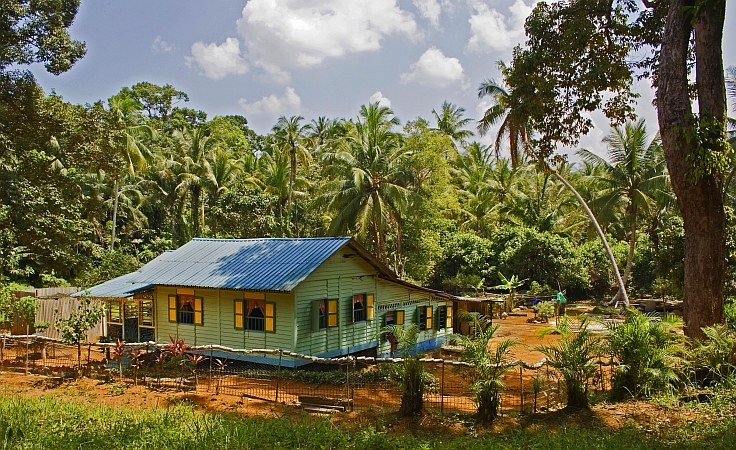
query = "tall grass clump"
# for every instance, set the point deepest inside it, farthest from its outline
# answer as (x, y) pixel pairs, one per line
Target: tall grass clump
(574, 358)
(647, 351)
(490, 363)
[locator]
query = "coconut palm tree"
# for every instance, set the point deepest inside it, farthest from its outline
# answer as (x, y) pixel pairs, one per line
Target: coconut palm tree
(323, 132)
(369, 195)
(451, 121)
(631, 180)
(289, 135)
(473, 176)
(129, 142)
(194, 172)
(514, 124)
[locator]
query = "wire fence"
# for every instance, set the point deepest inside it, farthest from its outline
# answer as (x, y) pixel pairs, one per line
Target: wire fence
(346, 383)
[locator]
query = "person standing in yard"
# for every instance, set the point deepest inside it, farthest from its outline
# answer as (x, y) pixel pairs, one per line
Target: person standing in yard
(561, 302)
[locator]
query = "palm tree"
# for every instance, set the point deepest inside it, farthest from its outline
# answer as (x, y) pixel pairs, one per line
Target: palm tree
(127, 118)
(473, 176)
(451, 121)
(514, 124)
(274, 177)
(412, 370)
(225, 169)
(323, 132)
(573, 357)
(371, 194)
(489, 363)
(631, 180)
(193, 171)
(289, 136)
(539, 201)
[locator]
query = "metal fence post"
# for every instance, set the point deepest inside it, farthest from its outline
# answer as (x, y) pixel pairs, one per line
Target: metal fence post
(352, 386)
(209, 384)
(442, 388)
(27, 344)
(521, 386)
(278, 375)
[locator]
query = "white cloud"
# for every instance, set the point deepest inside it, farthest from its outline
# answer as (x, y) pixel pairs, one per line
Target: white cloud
(289, 34)
(433, 68)
(492, 30)
(430, 10)
(161, 46)
(288, 103)
(218, 61)
(378, 97)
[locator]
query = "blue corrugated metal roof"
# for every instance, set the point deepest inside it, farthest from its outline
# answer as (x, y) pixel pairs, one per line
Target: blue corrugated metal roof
(120, 287)
(273, 264)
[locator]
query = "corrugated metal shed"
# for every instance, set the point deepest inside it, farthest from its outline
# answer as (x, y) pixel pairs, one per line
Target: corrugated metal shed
(273, 264)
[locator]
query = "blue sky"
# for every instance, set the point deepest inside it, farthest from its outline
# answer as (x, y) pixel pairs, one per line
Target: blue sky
(267, 58)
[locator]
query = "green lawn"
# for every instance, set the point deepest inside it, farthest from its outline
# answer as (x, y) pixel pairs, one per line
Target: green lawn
(47, 423)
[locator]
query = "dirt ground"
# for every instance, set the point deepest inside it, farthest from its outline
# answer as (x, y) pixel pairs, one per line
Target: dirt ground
(125, 394)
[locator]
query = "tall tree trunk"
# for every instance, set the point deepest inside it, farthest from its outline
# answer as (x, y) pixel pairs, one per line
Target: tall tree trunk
(116, 197)
(292, 179)
(632, 247)
(700, 200)
(612, 259)
(194, 210)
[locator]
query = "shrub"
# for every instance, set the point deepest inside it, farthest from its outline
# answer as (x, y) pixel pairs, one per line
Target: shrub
(574, 358)
(489, 366)
(715, 356)
(646, 350)
(545, 310)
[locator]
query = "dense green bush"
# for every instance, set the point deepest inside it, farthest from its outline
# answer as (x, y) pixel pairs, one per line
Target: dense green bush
(574, 357)
(646, 351)
(470, 261)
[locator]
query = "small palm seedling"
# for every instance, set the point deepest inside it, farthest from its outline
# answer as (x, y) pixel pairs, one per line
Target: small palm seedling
(646, 351)
(489, 362)
(412, 371)
(574, 358)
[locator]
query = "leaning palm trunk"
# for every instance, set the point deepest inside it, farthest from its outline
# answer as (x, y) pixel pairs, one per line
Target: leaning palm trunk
(612, 259)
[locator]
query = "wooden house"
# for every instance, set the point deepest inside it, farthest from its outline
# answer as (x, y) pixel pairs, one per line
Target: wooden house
(324, 297)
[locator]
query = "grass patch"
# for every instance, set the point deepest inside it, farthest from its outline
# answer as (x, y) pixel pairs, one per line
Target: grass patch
(48, 423)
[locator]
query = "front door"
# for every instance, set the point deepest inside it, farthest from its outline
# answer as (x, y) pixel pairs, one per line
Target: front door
(130, 322)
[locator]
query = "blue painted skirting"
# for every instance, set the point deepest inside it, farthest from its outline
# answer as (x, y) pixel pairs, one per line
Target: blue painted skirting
(423, 346)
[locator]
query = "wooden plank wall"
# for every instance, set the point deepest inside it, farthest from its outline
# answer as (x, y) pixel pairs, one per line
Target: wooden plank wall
(51, 309)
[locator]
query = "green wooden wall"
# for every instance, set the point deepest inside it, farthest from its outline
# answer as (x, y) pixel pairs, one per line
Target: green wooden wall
(340, 277)
(219, 321)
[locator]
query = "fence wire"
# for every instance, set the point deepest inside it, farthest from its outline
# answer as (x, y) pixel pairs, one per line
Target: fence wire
(347, 383)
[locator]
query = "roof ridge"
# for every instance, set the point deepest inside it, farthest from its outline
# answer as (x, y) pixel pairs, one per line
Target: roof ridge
(326, 238)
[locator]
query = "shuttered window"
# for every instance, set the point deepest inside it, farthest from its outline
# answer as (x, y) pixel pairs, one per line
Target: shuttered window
(253, 313)
(185, 308)
(426, 319)
(444, 317)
